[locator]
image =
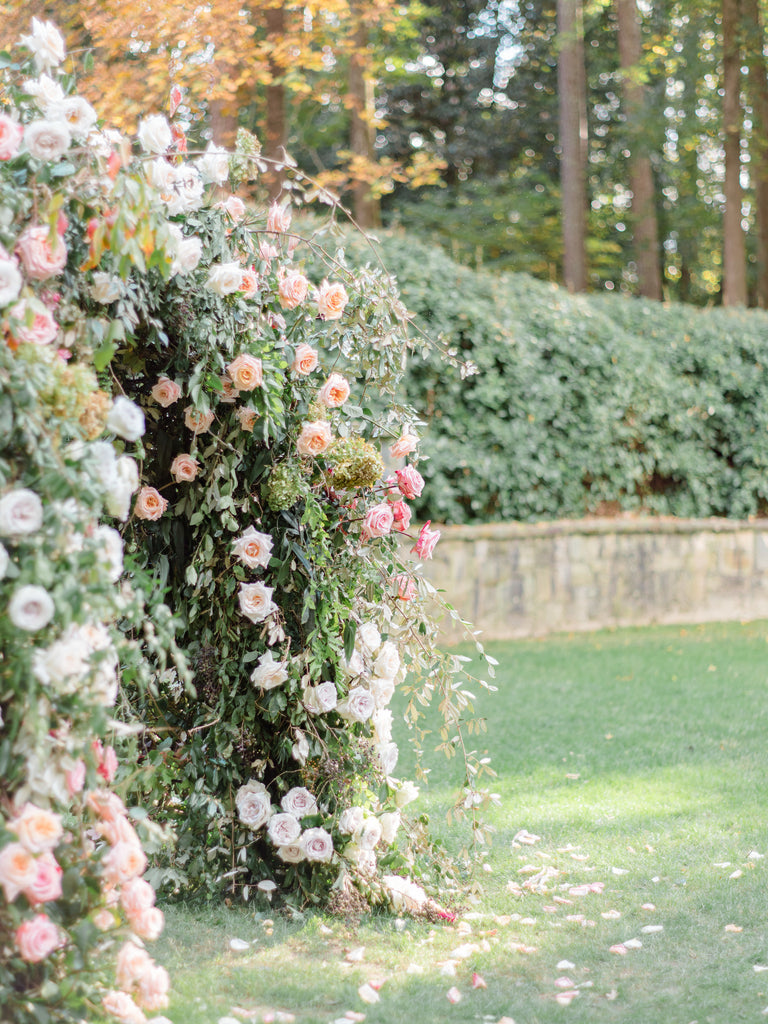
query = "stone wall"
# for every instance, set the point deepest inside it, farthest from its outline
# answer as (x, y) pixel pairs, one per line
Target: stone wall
(513, 579)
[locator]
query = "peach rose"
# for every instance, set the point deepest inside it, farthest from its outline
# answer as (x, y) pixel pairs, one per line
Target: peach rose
(150, 504)
(334, 392)
(136, 896)
(254, 549)
(108, 806)
(41, 260)
(305, 359)
(268, 252)
(148, 923)
(47, 884)
(166, 392)
(331, 300)
(120, 1005)
(36, 325)
(104, 919)
(247, 417)
(378, 521)
(196, 421)
(246, 372)
(18, 870)
(132, 964)
(292, 289)
(184, 468)
(249, 283)
(278, 218)
(123, 862)
(38, 830)
(229, 393)
(152, 989)
(256, 601)
(36, 939)
(405, 444)
(119, 831)
(314, 438)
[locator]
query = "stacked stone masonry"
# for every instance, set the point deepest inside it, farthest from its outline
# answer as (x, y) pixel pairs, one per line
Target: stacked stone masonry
(513, 579)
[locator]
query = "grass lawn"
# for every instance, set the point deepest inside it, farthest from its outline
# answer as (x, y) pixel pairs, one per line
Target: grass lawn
(638, 758)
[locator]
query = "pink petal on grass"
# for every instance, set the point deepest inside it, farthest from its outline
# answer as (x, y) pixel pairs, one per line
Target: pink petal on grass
(453, 995)
(566, 998)
(620, 949)
(478, 981)
(564, 982)
(368, 994)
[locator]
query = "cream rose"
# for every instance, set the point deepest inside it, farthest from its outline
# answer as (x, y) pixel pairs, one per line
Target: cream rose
(224, 278)
(150, 504)
(314, 438)
(256, 601)
(304, 360)
(351, 821)
(254, 806)
(269, 673)
(370, 833)
(126, 419)
(405, 444)
(40, 259)
(367, 638)
(331, 300)
(254, 549)
(31, 608)
(184, 468)
(358, 706)
(109, 550)
(390, 823)
(47, 140)
(382, 720)
(10, 279)
(187, 255)
(382, 690)
(105, 288)
(63, 664)
(406, 793)
(320, 699)
(317, 845)
(278, 218)
(387, 661)
(46, 43)
(299, 802)
(388, 755)
(334, 392)
(11, 133)
(4, 561)
(37, 938)
(18, 870)
(245, 371)
(292, 289)
(283, 829)
(76, 112)
(154, 134)
(290, 854)
(214, 164)
(165, 392)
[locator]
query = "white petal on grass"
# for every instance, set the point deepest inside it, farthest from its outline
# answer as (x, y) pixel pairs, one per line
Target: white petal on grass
(368, 994)
(619, 871)
(736, 874)
(453, 995)
(757, 968)
(647, 906)
(754, 855)
(355, 956)
(633, 944)
(565, 965)
(448, 969)
(414, 969)
(566, 998)
(239, 945)
(611, 915)
(464, 951)
(734, 928)
(649, 929)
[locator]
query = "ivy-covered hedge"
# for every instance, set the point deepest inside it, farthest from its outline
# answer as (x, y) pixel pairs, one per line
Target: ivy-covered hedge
(582, 404)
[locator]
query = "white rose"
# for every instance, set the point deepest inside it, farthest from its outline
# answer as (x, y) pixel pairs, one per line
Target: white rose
(188, 254)
(364, 860)
(404, 894)
(382, 691)
(4, 560)
(121, 486)
(185, 191)
(154, 134)
(387, 662)
(269, 673)
(406, 794)
(45, 90)
(382, 724)
(254, 549)
(254, 807)
(105, 288)
(31, 608)
(46, 43)
(214, 164)
(390, 823)
(283, 829)
(110, 550)
(76, 112)
(370, 834)
(388, 755)
(317, 845)
(47, 140)
(368, 638)
(256, 601)
(225, 278)
(299, 802)
(64, 664)
(161, 176)
(351, 821)
(21, 513)
(358, 705)
(290, 854)
(300, 749)
(10, 281)
(321, 699)
(126, 419)
(355, 666)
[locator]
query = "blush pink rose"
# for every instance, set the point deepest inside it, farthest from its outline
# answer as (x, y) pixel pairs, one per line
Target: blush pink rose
(150, 504)
(314, 438)
(246, 372)
(247, 417)
(249, 283)
(75, 778)
(425, 545)
(406, 587)
(41, 260)
(123, 862)
(136, 896)
(405, 444)
(402, 516)
(38, 829)
(305, 359)
(184, 468)
(11, 133)
(292, 289)
(122, 1006)
(37, 938)
(331, 300)
(334, 392)
(378, 521)
(36, 325)
(166, 392)
(17, 870)
(278, 218)
(148, 923)
(410, 482)
(47, 883)
(196, 421)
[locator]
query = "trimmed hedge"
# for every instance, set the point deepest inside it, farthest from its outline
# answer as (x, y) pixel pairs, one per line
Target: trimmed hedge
(582, 404)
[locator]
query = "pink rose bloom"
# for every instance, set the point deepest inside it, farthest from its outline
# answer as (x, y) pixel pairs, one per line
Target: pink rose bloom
(314, 438)
(249, 283)
(18, 870)
(234, 206)
(150, 504)
(425, 545)
(184, 468)
(136, 896)
(152, 989)
(166, 392)
(292, 289)
(47, 884)
(331, 300)
(334, 392)
(246, 372)
(124, 862)
(405, 444)
(38, 830)
(305, 359)
(268, 252)
(378, 521)
(148, 923)
(132, 964)
(121, 1006)
(36, 939)
(229, 393)
(36, 325)
(278, 218)
(108, 806)
(196, 421)
(75, 778)
(406, 587)
(107, 764)
(410, 482)
(247, 417)
(10, 137)
(41, 260)
(402, 516)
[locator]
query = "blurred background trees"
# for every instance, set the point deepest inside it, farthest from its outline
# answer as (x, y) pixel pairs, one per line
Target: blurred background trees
(636, 129)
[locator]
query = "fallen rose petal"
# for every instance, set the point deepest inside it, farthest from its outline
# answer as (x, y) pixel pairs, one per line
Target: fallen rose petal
(566, 998)
(611, 915)
(239, 945)
(526, 838)
(633, 944)
(722, 863)
(414, 969)
(520, 947)
(757, 968)
(284, 1018)
(731, 928)
(453, 995)
(620, 871)
(228, 1020)
(449, 968)
(377, 983)
(620, 949)
(355, 1016)
(736, 874)
(648, 906)
(579, 890)
(478, 981)
(355, 956)
(562, 900)
(368, 994)
(565, 982)
(649, 929)
(464, 951)
(613, 994)
(502, 920)
(754, 855)
(565, 965)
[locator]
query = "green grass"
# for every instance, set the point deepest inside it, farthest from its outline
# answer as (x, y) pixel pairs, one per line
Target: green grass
(639, 759)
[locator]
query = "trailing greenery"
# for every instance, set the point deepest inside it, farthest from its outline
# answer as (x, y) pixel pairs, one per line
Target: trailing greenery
(581, 404)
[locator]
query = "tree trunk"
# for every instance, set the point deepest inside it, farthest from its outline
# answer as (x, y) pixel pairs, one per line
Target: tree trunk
(361, 131)
(734, 247)
(758, 88)
(571, 82)
(646, 231)
(275, 133)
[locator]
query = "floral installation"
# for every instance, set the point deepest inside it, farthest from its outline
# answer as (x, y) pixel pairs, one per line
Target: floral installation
(191, 411)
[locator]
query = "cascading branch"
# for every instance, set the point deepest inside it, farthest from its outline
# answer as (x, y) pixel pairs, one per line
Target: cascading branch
(171, 366)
